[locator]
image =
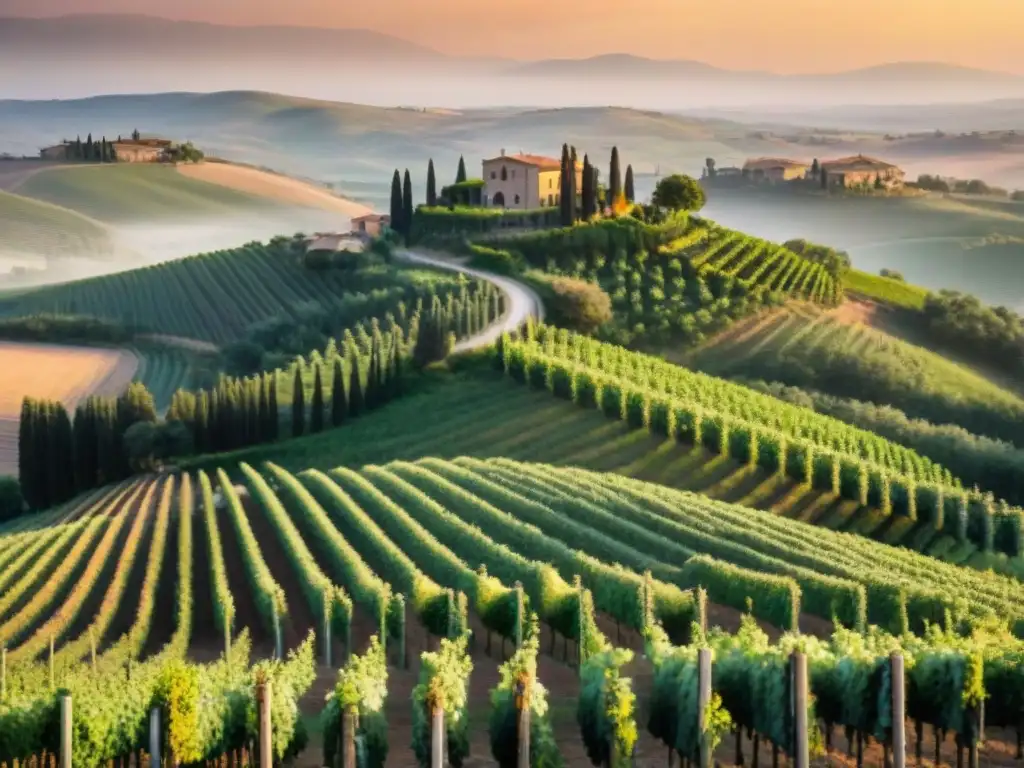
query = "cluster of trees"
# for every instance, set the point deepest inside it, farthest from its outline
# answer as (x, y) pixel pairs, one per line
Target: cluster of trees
(58, 457)
(90, 151)
(959, 186)
(993, 336)
(678, 192)
(591, 198)
(835, 261)
(401, 204)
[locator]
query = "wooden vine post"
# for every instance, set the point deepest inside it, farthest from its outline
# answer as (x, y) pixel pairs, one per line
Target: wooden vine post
(801, 742)
(348, 737)
(278, 651)
(437, 734)
(327, 628)
(899, 711)
(520, 619)
(155, 748)
(65, 731)
(263, 700)
(3, 671)
(522, 691)
(703, 704)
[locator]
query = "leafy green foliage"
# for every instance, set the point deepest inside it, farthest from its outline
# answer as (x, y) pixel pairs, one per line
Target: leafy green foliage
(444, 685)
(678, 192)
(606, 709)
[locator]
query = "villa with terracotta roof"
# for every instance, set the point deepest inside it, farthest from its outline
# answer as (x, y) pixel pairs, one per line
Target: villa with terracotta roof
(524, 181)
(775, 169)
(861, 170)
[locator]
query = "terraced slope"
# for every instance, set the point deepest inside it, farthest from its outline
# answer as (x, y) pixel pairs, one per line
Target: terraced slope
(803, 346)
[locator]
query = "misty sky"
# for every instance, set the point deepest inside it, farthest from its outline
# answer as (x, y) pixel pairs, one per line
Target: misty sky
(779, 35)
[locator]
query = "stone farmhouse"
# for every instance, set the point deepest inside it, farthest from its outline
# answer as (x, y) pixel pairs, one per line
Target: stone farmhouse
(524, 181)
(141, 150)
(861, 170)
(775, 169)
(127, 150)
(843, 173)
(370, 224)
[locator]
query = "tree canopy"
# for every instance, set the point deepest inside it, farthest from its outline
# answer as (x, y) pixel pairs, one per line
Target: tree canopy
(678, 192)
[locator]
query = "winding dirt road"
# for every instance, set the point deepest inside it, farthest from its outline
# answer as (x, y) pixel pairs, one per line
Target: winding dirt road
(523, 302)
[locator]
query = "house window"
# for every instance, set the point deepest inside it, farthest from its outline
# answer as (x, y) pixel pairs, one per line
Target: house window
(504, 173)
(551, 199)
(517, 199)
(551, 184)
(494, 175)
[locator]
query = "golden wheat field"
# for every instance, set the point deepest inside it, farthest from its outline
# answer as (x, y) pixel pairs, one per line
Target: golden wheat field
(58, 373)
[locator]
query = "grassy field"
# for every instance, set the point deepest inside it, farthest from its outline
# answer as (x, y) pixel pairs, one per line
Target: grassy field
(482, 417)
(34, 231)
(130, 192)
(895, 292)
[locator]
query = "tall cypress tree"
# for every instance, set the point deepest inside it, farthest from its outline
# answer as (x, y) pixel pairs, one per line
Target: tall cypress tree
(573, 187)
(407, 207)
(255, 416)
(396, 203)
(26, 451)
(274, 415)
(355, 387)
(564, 190)
(460, 175)
(614, 177)
(298, 405)
(588, 198)
(339, 403)
(316, 419)
(431, 184)
(395, 368)
(629, 192)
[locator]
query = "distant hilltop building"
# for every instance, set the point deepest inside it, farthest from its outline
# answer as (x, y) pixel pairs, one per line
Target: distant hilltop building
(132, 150)
(370, 224)
(141, 150)
(860, 170)
(524, 181)
(775, 169)
(856, 171)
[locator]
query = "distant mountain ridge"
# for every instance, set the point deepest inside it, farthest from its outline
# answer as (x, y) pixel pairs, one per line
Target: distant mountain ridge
(112, 36)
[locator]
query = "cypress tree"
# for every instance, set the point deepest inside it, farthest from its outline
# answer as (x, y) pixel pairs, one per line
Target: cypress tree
(81, 448)
(256, 410)
(339, 403)
(460, 175)
(431, 184)
(407, 207)
(62, 458)
(199, 427)
(564, 190)
(316, 419)
(395, 366)
(589, 192)
(629, 192)
(26, 451)
(396, 203)
(274, 412)
(355, 387)
(573, 189)
(298, 405)
(262, 411)
(614, 177)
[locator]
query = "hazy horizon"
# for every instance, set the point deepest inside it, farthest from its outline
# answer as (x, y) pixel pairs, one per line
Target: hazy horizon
(813, 37)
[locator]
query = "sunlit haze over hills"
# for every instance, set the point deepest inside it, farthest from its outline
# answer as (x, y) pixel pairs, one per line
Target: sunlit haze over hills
(528, 52)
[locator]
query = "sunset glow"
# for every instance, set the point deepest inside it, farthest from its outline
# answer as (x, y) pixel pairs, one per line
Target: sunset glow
(779, 35)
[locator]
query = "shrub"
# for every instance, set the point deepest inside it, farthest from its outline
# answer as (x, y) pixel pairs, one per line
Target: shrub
(12, 504)
(496, 260)
(575, 304)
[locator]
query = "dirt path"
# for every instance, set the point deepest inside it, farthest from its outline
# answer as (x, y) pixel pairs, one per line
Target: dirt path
(523, 302)
(206, 643)
(300, 617)
(246, 614)
(125, 614)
